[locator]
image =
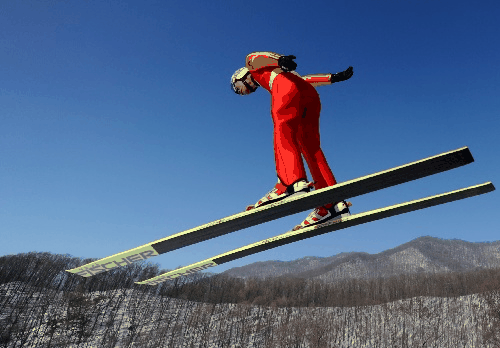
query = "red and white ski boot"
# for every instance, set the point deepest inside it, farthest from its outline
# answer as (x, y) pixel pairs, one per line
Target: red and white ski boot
(280, 192)
(325, 213)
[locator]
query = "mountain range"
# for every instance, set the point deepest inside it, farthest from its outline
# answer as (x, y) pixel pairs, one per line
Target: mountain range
(421, 255)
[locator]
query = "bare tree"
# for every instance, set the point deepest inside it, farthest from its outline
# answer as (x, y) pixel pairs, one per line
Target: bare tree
(491, 324)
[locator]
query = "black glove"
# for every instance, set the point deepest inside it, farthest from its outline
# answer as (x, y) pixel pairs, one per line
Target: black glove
(342, 76)
(286, 63)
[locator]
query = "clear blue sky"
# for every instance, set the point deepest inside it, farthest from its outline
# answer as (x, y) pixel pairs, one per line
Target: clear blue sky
(118, 125)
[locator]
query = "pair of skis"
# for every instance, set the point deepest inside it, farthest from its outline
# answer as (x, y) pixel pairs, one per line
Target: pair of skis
(342, 191)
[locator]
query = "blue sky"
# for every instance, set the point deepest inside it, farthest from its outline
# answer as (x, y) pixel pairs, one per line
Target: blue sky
(118, 125)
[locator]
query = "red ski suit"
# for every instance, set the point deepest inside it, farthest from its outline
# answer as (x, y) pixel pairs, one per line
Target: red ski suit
(295, 109)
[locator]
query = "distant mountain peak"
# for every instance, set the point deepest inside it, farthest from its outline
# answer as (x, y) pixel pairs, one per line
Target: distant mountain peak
(424, 254)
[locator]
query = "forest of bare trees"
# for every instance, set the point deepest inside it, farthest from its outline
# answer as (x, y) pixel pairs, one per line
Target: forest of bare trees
(41, 305)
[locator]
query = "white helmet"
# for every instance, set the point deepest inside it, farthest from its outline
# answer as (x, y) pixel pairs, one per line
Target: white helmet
(240, 75)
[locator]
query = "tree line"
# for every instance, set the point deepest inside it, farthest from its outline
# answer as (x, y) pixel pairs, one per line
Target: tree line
(47, 271)
(299, 292)
(42, 305)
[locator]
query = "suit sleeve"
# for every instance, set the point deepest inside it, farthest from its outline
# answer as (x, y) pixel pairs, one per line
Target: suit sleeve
(318, 79)
(257, 60)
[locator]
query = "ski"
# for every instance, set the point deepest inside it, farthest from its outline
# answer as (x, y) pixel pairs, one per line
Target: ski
(329, 226)
(342, 191)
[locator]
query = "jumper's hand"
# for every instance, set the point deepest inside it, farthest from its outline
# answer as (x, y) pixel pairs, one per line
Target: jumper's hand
(286, 63)
(342, 76)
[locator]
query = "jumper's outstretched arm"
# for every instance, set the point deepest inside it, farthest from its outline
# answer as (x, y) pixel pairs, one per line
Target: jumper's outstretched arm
(327, 79)
(318, 79)
(257, 60)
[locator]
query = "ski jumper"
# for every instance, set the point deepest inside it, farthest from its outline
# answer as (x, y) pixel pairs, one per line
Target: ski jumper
(295, 110)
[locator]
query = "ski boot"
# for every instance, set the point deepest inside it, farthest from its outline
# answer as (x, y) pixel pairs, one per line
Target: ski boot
(280, 192)
(325, 213)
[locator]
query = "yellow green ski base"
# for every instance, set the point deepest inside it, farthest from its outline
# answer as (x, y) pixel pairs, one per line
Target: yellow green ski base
(293, 236)
(366, 184)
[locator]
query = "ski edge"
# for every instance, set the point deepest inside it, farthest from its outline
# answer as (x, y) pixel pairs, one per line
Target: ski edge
(330, 226)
